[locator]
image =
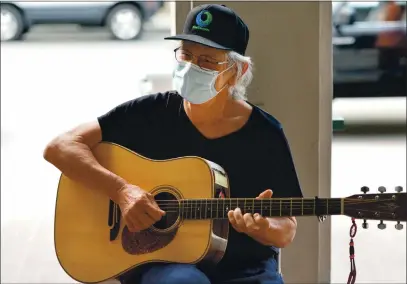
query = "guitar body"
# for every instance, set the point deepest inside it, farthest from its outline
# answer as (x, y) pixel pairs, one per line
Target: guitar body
(92, 242)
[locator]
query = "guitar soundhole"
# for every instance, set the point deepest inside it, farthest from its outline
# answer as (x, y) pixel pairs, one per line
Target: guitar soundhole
(160, 234)
(168, 203)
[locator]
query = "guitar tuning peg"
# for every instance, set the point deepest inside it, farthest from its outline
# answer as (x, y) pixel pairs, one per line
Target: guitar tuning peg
(381, 225)
(365, 225)
(398, 226)
(382, 189)
(364, 189)
(399, 189)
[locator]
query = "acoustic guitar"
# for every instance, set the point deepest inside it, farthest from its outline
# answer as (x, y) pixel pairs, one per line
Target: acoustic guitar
(93, 244)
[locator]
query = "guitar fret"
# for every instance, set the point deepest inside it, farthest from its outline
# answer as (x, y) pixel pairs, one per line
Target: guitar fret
(281, 205)
(291, 207)
(196, 207)
(314, 207)
(271, 207)
(191, 205)
(181, 209)
(217, 208)
(227, 207)
(184, 210)
(200, 209)
(206, 208)
(223, 208)
(211, 209)
(187, 210)
(327, 207)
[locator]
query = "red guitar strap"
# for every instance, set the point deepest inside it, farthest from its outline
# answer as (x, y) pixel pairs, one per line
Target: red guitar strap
(352, 234)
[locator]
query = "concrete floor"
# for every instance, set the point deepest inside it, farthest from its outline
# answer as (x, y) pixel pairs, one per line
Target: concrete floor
(49, 87)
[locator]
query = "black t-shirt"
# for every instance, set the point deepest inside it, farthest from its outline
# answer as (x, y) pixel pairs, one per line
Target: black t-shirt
(256, 157)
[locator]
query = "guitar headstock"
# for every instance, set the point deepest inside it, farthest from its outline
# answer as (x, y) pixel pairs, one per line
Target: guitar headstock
(378, 206)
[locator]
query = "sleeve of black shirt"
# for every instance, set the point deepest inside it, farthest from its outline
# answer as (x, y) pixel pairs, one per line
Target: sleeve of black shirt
(286, 178)
(126, 118)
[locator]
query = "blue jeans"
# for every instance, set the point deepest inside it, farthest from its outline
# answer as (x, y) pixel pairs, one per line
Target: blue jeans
(266, 273)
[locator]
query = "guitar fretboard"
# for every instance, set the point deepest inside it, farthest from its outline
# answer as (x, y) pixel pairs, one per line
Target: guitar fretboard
(274, 207)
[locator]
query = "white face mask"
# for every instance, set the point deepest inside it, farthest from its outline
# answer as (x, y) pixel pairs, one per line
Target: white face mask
(193, 83)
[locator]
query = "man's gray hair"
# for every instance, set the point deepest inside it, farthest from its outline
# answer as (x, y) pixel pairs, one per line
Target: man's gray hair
(238, 91)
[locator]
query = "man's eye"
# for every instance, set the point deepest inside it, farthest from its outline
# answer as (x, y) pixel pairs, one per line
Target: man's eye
(208, 64)
(185, 56)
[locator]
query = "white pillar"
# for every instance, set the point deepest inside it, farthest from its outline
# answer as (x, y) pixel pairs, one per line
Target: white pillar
(291, 43)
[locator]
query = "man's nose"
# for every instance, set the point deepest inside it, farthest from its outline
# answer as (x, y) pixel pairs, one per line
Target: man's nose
(195, 60)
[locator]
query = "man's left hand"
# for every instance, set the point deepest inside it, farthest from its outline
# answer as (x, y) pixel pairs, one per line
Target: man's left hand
(248, 223)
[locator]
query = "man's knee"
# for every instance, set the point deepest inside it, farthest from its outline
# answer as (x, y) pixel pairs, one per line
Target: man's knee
(174, 274)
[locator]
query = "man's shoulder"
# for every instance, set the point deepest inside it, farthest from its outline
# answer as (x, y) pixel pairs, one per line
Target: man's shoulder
(156, 100)
(147, 105)
(272, 132)
(267, 120)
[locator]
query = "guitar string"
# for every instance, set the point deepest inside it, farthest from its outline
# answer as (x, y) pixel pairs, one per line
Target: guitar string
(183, 210)
(271, 203)
(257, 208)
(294, 200)
(265, 211)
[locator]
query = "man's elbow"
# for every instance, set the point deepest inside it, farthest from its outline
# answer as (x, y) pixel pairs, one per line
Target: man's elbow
(54, 148)
(50, 150)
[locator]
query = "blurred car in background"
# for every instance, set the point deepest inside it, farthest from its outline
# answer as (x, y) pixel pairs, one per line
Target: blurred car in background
(123, 19)
(369, 48)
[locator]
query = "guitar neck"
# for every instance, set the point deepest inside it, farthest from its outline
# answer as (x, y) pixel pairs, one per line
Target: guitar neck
(217, 208)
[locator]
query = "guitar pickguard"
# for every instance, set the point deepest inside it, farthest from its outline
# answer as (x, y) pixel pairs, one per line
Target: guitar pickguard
(145, 241)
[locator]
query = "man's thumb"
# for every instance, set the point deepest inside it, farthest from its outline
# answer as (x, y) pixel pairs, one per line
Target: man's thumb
(266, 194)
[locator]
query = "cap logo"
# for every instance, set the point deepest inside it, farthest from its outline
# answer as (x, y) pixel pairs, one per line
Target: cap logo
(203, 19)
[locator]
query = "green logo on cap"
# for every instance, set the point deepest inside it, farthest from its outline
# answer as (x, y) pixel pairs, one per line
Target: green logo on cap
(203, 19)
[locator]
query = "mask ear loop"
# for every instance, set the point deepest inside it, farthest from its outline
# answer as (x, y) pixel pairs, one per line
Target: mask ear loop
(227, 84)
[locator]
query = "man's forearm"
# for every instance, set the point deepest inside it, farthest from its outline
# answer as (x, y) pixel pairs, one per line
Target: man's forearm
(280, 233)
(77, 162)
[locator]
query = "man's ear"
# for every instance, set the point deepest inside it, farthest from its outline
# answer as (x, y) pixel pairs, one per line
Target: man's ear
(233, 75)
(245, 67)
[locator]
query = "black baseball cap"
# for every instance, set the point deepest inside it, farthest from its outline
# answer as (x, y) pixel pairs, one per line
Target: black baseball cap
(215, 26)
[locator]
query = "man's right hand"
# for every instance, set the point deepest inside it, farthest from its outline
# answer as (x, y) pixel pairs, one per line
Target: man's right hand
(139, 209)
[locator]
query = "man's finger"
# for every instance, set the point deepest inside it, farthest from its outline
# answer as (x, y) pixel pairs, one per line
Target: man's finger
(265, 194)
(152, 201)
(260, 221)
(154, 212)
(249, 221)
(237, 214)
(231, 218)
(233, 222)
(145, 220)
(133, 225)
